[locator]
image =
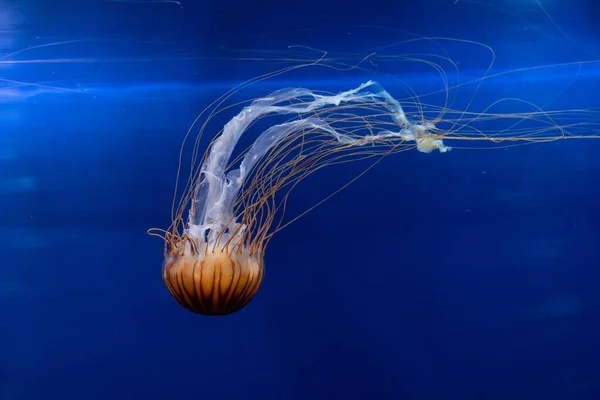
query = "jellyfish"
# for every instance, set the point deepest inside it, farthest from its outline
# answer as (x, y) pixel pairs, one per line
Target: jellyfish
(214, 259)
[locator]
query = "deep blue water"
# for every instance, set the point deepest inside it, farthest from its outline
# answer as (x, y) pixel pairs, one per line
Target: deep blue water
(466, 275)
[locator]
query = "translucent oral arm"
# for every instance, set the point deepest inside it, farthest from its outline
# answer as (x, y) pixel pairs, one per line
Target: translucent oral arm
(218, 191)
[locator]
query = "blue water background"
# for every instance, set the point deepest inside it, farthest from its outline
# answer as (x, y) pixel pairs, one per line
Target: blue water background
(466, 275)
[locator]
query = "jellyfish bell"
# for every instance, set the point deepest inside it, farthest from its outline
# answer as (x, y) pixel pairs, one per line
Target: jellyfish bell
(211, 271)
(212, 277)
(219, 283)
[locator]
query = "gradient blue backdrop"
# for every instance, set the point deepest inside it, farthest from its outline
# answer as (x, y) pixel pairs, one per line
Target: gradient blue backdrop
(467, 275)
